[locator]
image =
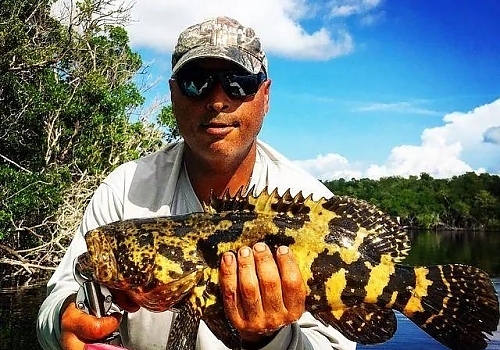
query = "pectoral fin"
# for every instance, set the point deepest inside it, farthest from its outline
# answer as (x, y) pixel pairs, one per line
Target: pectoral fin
(219, 324)
(184, 330)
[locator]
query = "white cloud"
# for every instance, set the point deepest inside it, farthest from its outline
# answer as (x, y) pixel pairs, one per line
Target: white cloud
(440, 161)
(157, 24)
(345, 8)
(368, 11)
(492, 135)
(330, 166)
(372, 19)
(277, 22)
(397, 107)
(440, 154)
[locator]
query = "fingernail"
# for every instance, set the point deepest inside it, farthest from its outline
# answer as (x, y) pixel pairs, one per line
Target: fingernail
(259, 247)
(228, 258)
(283, 250)
(245, 252)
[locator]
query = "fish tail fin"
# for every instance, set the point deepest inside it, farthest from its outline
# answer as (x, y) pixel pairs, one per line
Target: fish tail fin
(455, 304)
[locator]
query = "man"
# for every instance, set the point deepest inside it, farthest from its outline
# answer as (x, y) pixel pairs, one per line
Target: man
(220, 95)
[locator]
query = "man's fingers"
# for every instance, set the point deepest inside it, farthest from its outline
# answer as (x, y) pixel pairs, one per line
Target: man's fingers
(248, 284)
(78, 327)
(291, 281)
(229, 287)
(261, 293)
(69, 341)
(269, 278)
(92, 328)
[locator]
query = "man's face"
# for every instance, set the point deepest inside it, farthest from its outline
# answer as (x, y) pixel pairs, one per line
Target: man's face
(217, 127)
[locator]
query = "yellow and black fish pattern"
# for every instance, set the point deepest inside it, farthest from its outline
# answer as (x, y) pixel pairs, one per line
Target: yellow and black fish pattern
(349, 254)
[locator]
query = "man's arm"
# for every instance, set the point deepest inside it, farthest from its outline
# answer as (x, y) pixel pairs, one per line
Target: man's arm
(59, 288)
(62, 285)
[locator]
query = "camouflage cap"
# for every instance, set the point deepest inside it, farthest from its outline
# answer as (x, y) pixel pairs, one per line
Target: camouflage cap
(220, 37)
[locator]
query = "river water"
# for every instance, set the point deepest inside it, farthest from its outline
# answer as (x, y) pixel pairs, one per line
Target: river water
(19, 306)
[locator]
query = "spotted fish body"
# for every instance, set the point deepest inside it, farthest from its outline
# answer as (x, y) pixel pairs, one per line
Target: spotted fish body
(348, 252)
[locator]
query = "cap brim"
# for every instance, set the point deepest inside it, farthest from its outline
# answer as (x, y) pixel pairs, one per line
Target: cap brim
(233, 54)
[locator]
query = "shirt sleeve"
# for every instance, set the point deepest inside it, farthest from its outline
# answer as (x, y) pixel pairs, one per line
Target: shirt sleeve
(309, 334)
(321, 336)
(104, 207)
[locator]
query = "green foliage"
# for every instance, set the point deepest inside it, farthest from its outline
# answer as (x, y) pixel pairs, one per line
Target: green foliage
(26, 200)
(167, 120)
(30, 41)
(67, 93)
(468, 201)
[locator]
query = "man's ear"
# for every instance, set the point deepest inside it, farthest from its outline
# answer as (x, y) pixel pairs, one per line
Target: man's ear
(267, 92)
(173, 86)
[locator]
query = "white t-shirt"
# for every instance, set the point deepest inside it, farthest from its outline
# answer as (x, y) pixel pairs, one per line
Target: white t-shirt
(158, 185)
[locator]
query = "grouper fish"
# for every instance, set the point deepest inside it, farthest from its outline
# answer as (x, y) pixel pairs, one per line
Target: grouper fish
(349, 253)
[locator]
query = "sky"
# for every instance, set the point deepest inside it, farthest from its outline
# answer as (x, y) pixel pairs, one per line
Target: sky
(360, 88)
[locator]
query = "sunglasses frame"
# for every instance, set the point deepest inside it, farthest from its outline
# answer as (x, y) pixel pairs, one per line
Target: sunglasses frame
(223, 77)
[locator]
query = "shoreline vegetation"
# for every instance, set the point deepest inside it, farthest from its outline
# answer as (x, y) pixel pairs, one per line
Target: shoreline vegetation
(467, 202)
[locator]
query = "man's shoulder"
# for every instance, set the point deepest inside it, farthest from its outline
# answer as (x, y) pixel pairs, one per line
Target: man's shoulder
(158, 160)
(147, 169)
(145, 185)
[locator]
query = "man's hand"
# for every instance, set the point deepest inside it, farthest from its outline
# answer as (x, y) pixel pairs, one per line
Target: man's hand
(79, 328)
(261, 294)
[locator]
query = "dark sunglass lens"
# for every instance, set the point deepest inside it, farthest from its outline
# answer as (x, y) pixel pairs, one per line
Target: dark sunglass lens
(194, 84)
(242, 84)
(198, 84)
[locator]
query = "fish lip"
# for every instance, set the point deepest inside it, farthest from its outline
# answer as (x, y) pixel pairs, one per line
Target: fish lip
(82, 268)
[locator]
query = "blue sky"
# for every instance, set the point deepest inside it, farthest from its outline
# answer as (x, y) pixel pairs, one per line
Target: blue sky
(361, 88)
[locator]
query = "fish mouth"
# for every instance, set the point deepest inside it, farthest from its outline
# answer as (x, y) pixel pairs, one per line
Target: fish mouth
(165, 296)
(83, 270)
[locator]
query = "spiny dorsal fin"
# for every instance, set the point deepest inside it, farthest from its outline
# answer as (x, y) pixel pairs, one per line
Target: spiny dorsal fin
(226, 202)
(264, 202)
(382, 234)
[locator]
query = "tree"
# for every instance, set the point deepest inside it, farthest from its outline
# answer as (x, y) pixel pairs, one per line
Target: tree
(67, 96)
(468, 201)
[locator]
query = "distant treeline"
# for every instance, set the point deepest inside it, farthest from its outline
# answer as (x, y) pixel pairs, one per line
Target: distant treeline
(468, 201)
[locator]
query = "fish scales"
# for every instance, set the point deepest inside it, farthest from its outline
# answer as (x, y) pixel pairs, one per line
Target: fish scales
(348, 251)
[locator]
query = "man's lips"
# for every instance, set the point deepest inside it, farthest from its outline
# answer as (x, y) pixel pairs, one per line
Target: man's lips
(219, 129)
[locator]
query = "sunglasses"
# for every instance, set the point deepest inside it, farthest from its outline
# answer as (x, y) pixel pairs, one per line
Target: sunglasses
(236, 84)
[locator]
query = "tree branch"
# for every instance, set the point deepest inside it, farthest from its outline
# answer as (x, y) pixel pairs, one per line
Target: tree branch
(12, 162)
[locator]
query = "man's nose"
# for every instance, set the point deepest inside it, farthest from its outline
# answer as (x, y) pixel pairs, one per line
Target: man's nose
(218, 100)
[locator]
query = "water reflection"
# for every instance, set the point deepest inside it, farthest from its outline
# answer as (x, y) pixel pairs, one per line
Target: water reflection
(19, 306)
(18, 310)
(479, 249)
